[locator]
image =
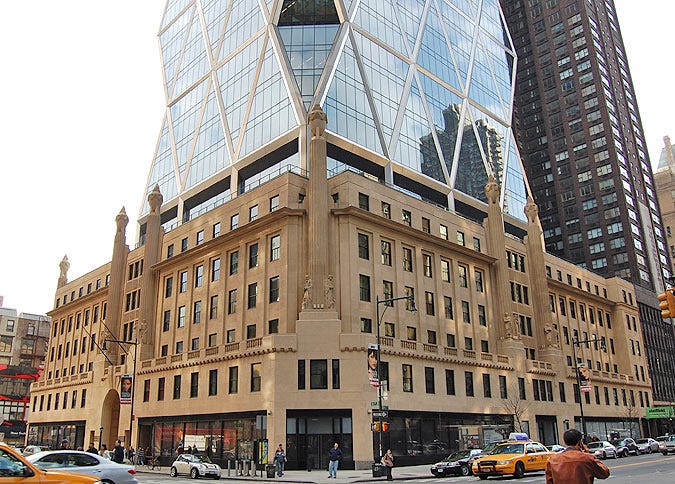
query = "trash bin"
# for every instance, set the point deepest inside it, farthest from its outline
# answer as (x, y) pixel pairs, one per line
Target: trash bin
(271, 471)
(379, 470)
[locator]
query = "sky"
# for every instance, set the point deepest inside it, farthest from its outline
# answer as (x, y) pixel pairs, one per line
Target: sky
(81, 104)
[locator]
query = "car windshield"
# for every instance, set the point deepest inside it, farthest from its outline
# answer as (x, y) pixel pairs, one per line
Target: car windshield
(508, 449)
(642, 441)
(489, 448)
(201, 458)
(461, 454)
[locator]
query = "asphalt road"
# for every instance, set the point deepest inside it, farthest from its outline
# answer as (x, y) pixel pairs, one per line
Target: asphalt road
(655, 468)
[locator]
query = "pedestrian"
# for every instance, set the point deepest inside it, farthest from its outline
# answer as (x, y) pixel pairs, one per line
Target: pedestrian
(92, 448)
(140, 457)
(335, 456)
(279, 459)
(189, 450)
(131, 453)
(388, 461)
(105, 452)
(65, 444)
(574, 465)
(118, 452)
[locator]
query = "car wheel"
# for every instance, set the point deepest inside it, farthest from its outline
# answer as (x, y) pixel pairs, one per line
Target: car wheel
(194, 473)
(520, 470)
(625, 453)
(649, 450)
(174, 472)
(616, 456)
(664, 453)
(216, 477)
(604, 455)
(465, 470)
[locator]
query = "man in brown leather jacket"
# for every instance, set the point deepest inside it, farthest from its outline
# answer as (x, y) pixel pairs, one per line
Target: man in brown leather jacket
(574, 465)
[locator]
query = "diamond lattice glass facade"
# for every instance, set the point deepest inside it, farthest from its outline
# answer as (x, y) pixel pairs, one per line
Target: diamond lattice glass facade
(422, 89)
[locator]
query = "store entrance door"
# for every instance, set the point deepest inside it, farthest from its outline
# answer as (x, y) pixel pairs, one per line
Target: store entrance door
(309, 438)
(547, 429)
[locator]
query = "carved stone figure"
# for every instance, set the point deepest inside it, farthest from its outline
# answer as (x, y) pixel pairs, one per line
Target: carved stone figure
(64, 265)
(508, 326)
(551, 336)
(492, 191)
(317, 121)
(330, 294)
(531, 210)
(307, 293)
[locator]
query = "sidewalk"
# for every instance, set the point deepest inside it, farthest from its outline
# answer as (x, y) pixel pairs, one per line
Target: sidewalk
(319, 477)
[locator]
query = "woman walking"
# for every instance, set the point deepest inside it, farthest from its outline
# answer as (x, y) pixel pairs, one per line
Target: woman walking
(388, 461)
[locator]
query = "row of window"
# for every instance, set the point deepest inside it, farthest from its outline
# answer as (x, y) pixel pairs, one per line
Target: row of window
(61, 327)
(60, 401)
(80, 292)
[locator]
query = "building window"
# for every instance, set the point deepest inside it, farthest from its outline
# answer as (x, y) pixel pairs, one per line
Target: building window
(487, 388)
(503, 392)
(468, 383)
(275, 247)
(449, 382)
(194, 344)
(230, 336)
(406, 217)
(318, 374)
(364, 248)
(213, 340)
(168, 287)
(336, 374)
(194, 385)
(476, 244)
(176, 387)
(388, 291)
(213, 382)
(252, 295)
(451, 340)
(426, 225)
(429, 383)
(407, 378)
(460, 238)
(411, 333)
(169, 254)
(479, 280)
(426, 260)
(251, 331)
(431, 337)
(215, 270)
(386, 210)
(179, 347)
(253, 256)
(366, 325)
(447, 303)
(200, 238)
(213, 307)
(232, 301)
(160, 389)
(429, 302)
(468, 343)
(364, 288)
(184, 244)
(234, 262)
(274, 203)
(443, 231)
(386, 253)
(199, 276)
(183, 281)
(389, 330)
(521, 389)
(233, 380)
(407, 259)
(482, 320)
(461, 276)
(234, 221)
(274, 289)
(164, 350)
(216, 230)
(273, 326)
(181, 317)
(256, 379)
(197, 313)
(466, 314)
(301, 375)
(364, 201)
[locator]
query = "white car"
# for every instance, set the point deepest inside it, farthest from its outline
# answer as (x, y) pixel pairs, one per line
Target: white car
(85, 463)
(195, 466)
(647, 445)
(30, 450)
(603, 449)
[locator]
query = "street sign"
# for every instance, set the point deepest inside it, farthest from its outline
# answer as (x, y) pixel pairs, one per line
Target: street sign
(384, 407)
(380, 414)
(373, 404)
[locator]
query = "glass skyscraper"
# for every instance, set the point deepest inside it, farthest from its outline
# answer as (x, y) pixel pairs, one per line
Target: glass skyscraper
(418, 94)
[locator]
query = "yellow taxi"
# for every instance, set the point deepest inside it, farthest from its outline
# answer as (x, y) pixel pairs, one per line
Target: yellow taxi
(512, 457)
(14, 468)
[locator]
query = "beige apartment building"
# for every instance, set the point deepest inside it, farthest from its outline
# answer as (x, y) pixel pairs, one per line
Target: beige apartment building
(252, 321)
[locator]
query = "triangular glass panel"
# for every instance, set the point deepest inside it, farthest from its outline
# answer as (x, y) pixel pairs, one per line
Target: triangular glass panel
(215, 15)
(416, 147)
(194, 63)
(347, 106)
(385, 75)
(271, 113)
(317, 12)
(172, 40)
(505, 35)
(515, 188)
(348, 5)
(236, 79)
(482, 88)
(210, 151)
(173, 8)
(245, 20)
(434, 53)
(270, 6)
(378, 20)
(184, 119)
(460, 31)
(492, 136)
(445, 107)
(502, 65)
(490, 18)
(467, 6)
(162, 172)
(410, 15)
(471, 176)
(307, 48)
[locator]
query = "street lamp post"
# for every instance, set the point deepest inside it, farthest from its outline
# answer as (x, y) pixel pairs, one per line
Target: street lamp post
(100, 437)
(387, 302)
(576, 343)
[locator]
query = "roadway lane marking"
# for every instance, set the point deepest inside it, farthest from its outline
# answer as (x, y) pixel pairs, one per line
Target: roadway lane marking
(641, 463)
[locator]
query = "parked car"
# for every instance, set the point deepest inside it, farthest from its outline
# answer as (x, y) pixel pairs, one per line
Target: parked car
(14, 467)
(666, 444)
(556, 448)
(85, 463)
(647, 445)
(195, 466)
(31, 449)
(456, 463)
(626, 446)
(603, 449)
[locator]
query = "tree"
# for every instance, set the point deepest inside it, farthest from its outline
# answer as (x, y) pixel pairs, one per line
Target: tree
(630, 414)
(515, 406)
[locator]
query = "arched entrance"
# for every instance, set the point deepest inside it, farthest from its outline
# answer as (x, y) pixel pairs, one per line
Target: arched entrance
(110, 418)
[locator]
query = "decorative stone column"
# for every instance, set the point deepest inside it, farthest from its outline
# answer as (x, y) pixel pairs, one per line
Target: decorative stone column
(64, 265)
(116, 285)
(154, 235)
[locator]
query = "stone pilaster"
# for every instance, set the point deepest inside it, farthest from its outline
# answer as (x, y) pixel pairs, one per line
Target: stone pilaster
(116, 285)
(154, 235)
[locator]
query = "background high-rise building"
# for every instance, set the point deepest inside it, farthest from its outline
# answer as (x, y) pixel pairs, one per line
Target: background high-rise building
(583, 147)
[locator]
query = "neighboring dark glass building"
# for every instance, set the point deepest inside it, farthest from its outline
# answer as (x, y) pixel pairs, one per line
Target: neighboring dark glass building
(584, 151)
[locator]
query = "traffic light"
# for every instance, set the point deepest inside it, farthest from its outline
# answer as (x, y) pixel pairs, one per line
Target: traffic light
(385, 426)
(667, 304)
(375, 426)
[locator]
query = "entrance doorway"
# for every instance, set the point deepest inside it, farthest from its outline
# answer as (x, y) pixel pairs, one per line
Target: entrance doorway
(547, 429)
(310, 437)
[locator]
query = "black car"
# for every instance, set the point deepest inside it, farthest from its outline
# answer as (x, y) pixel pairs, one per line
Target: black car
(626, 446)
(456, 464)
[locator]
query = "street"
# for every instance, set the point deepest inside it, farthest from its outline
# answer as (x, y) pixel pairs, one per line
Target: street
(655, 467)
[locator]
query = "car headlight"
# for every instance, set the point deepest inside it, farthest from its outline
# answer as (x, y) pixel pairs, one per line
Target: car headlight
(503, 462)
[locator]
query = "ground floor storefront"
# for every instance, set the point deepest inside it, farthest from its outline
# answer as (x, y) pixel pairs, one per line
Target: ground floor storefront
(49, 435)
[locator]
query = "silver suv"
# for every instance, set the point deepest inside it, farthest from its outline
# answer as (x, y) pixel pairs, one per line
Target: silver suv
(666, 444)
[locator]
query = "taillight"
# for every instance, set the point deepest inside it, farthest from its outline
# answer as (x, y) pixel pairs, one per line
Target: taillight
(131, 471)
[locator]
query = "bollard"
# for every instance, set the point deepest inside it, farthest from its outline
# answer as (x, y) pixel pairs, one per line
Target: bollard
(228, 467)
